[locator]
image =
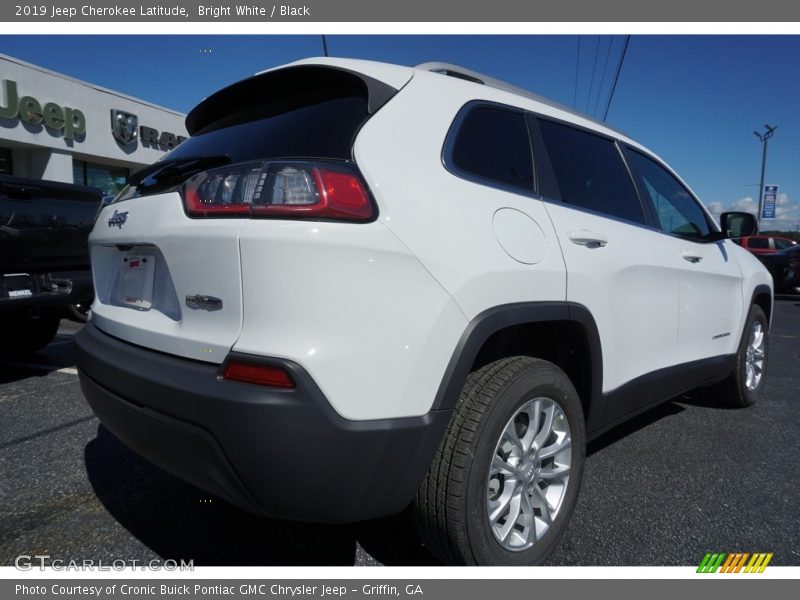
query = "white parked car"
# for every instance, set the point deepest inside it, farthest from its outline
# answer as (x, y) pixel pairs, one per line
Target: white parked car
(360, 286)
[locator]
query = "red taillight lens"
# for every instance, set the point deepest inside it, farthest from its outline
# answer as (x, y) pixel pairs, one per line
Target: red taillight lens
(285, 189)
(259, 374)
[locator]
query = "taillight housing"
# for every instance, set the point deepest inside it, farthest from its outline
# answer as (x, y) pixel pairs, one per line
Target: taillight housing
(287, 189)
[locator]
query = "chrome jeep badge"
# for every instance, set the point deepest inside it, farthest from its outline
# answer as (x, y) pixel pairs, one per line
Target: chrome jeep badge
(118, 219)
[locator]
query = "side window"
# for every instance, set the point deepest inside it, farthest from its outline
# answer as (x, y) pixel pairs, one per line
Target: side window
(760, 243)
(493, 144)
(590, 172)
(677, 212)
(782, 244)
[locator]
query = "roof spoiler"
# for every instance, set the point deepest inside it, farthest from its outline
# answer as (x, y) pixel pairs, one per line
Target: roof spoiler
(285, 89)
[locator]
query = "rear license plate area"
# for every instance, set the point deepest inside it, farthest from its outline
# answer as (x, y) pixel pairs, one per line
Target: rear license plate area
(136, 281)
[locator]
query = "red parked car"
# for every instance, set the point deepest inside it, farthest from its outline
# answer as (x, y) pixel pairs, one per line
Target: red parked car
(765, 244)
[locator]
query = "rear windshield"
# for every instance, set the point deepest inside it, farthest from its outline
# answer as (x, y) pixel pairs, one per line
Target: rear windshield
(322, 124)
(325, 129)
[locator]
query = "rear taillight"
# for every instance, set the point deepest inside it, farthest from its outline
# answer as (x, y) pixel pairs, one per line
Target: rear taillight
(266, 375)
(315, 190)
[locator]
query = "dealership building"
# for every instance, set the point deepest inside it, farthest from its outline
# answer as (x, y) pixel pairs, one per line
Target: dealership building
(55, 127)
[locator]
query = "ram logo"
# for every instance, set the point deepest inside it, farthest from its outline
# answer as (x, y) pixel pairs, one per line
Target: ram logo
(124, 126)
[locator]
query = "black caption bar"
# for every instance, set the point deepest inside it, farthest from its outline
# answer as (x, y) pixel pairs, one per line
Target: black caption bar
(363, 589)
(332, 11)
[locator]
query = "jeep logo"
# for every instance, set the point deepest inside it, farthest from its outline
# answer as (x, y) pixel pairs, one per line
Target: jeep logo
(118, 219)
(70, 121)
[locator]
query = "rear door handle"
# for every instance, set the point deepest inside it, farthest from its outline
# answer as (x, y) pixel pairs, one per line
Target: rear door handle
(692, 257)
(590, 239)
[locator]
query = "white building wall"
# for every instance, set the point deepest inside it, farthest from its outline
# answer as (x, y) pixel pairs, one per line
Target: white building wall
(55, 165)
(49, 153)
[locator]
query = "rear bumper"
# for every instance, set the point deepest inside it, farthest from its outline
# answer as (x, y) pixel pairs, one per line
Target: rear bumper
(280, 453)
(57, 288)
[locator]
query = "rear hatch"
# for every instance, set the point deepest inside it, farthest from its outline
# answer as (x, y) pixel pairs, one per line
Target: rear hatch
(44, 225)
(165, 254)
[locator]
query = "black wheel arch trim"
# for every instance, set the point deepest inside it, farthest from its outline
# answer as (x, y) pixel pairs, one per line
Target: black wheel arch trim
(760, 290)
(497, 318)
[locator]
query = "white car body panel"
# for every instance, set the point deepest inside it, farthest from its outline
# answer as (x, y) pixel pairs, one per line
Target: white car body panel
(352, 306)
(634, 302)
(423, 204)
(202, 257)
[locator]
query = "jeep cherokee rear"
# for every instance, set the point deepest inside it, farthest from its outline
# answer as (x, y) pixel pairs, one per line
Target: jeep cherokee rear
(359, 286)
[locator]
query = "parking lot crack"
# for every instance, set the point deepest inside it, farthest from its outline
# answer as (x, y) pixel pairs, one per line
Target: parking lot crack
(43, 432)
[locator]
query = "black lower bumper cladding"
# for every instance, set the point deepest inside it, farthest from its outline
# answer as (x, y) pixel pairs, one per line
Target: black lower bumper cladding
(279, 453)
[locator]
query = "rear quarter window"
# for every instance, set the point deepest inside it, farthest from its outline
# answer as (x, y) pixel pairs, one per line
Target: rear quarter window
(491, 145)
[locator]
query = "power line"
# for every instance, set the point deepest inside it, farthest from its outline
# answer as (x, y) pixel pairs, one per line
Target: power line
(577, 64)
(616, 77)
(603, 78)
(594, 69)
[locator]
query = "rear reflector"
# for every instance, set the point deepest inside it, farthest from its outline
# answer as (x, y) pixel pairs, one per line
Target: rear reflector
(259, 374)
(298, 189)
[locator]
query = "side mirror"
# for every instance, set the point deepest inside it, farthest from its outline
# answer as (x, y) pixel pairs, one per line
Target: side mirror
(738, 224)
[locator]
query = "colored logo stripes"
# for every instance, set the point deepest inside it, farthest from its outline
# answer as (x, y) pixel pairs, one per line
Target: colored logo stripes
(735, 562)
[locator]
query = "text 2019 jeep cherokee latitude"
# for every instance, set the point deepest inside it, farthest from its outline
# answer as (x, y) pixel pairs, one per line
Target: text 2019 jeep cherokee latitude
(360, 286)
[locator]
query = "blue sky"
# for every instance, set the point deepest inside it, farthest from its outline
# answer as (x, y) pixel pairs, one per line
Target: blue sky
(694, 100)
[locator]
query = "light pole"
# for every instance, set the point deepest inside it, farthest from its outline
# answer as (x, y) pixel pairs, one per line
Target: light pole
(764, 138)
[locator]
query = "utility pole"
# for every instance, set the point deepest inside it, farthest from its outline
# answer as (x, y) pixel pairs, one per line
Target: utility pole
(764, 138)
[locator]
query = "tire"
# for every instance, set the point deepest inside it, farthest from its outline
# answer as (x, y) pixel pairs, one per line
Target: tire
(30, 331)
(744, 385)
(78, 312)
(466, 482)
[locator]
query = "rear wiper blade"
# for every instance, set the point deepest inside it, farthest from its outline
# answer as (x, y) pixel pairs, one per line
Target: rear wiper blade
(162, 172)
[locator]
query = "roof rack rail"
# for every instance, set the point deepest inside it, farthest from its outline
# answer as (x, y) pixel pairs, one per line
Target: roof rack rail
(473, 76)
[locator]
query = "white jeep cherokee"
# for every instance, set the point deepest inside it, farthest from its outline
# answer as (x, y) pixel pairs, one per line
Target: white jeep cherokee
(360, 286)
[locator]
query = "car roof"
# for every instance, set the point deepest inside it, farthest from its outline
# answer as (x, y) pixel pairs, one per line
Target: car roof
(459, 72)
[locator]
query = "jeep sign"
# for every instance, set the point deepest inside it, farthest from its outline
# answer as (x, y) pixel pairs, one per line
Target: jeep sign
(28, 109)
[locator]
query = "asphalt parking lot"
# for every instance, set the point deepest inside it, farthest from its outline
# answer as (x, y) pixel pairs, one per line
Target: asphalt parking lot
(680, 480)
